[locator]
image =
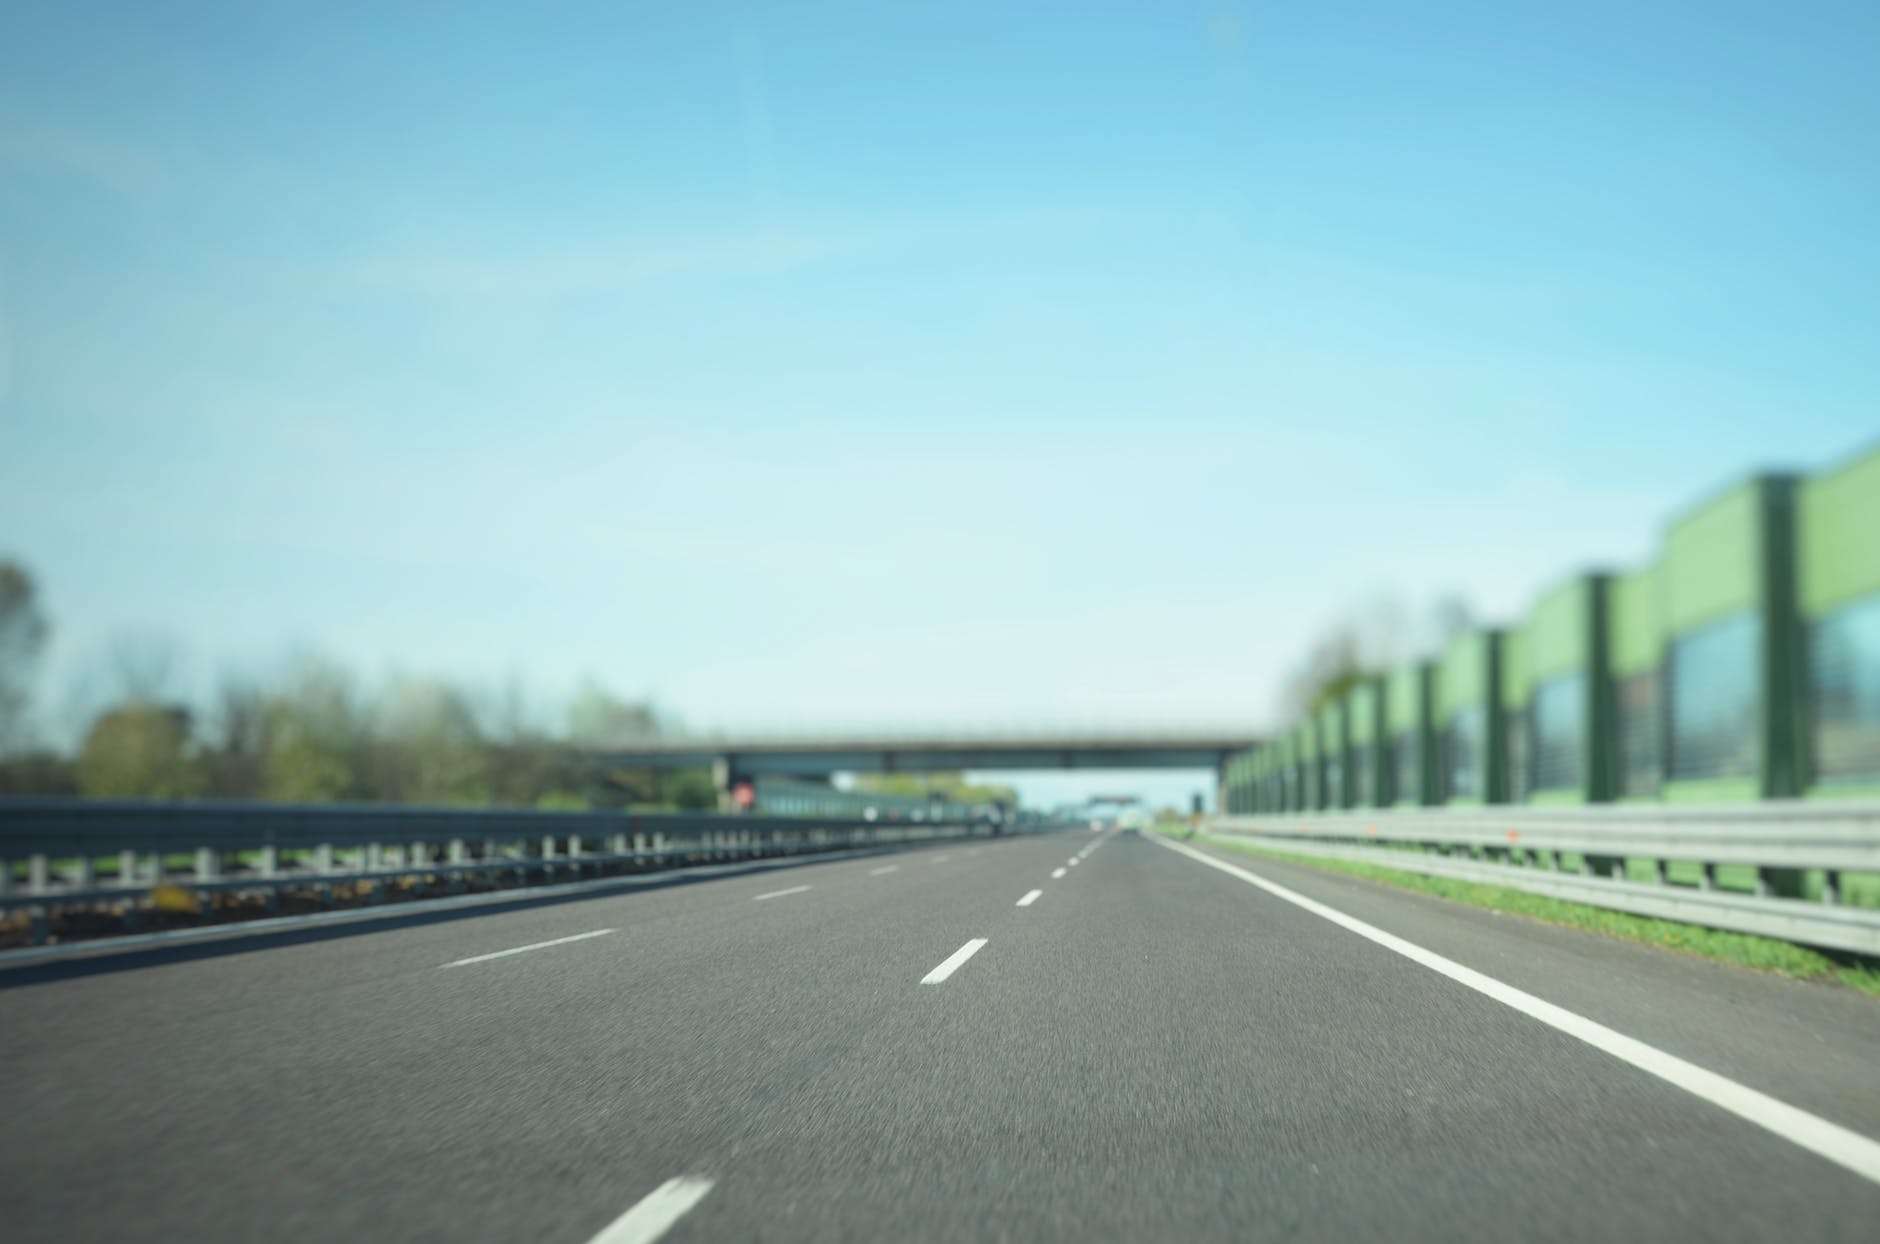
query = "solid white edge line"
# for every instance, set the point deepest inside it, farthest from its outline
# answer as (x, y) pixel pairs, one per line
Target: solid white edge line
(795, 889)
(1840, 1145)
(516, 950)
(1057, 873)
(878, 872)
(952, 962)
(655, 1213)
(1030, 898)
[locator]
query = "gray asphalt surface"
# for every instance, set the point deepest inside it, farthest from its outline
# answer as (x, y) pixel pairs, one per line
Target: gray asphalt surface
(1151, 1050)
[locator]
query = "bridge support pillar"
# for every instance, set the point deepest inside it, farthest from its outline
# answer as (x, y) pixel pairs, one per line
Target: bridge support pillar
(721, 782)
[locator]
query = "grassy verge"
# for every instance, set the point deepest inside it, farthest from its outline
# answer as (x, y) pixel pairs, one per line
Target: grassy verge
(1742, 949)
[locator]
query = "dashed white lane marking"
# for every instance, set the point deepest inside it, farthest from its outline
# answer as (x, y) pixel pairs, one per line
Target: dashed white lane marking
(951, 963)
(1057, 873)
(504, 954)
(795, 889)
(1031, 897)
(656, 1212)
(879, 872)
(1075, 860)
(1830, 1140)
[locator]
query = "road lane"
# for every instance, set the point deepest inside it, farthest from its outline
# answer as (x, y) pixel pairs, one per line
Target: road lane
(1842, 1146)
(1804, 1043)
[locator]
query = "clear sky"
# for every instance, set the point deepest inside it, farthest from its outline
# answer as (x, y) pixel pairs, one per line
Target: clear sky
(901, 361)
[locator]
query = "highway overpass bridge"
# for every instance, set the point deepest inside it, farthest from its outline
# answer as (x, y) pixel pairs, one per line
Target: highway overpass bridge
(819, 756)
(733, 758)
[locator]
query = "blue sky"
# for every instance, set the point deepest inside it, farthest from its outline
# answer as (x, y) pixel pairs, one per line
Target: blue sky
(900, 362)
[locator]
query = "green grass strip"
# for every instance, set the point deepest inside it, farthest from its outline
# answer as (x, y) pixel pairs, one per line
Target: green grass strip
(1747, 950)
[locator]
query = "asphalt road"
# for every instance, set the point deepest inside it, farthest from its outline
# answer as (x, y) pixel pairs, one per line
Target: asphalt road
(1149, 1049)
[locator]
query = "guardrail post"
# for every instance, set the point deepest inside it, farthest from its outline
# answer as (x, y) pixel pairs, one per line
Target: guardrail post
(127, 868)
(1782, 882)
(1706, 876)
(83, 875)
(38, 874)
(6, 876)
(375, 863)
(617, 844)
(270, 865)
(457, 852)
(207, 864)
(1831, 886)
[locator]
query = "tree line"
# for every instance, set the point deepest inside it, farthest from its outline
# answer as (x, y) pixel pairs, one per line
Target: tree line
(317, 735)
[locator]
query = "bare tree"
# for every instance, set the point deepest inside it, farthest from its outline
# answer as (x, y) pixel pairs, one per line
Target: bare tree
(1370, 640)
(142, 664)
(23, 631)
(1450, 615)
(237, 746)
(599, 717)
(1331, 665)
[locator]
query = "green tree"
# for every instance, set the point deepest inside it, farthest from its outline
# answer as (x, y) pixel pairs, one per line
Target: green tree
(689, 790)
(315, 737)
(23, 631)
(139, 750)
(430, 749)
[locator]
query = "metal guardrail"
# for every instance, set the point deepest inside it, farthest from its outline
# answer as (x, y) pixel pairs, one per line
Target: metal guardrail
(1580, 854)
(90, 853)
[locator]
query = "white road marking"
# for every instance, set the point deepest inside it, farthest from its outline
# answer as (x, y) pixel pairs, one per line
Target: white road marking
(1030, 898)
(1075, 860)
(877, 872)
(504, 954)
(656, 1212)
(952, 962)
(795, 889)
(1057, 873)
(1838, 1144)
